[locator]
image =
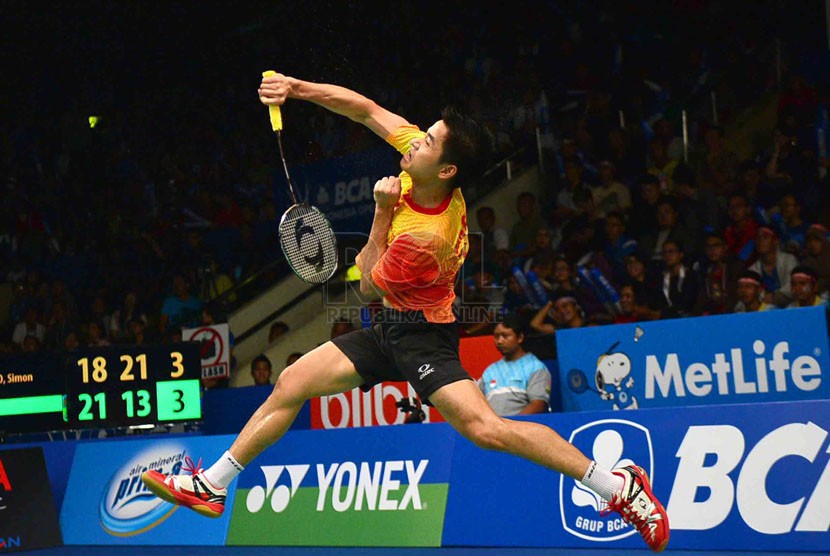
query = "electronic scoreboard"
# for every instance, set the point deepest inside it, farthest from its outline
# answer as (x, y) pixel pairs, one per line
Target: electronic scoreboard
(107, 387)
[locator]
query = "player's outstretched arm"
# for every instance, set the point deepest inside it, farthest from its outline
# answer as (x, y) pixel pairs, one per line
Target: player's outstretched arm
(275, 89)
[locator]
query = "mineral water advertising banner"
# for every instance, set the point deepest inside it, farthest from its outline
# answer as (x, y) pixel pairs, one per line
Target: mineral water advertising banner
(377, 486)
(732, 477)
(106, 502)
(741, 358)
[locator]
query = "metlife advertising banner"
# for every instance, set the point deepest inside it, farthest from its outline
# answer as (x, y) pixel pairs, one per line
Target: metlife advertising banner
(732, 477)
(742, 358)
(378, 486)
(106, 502)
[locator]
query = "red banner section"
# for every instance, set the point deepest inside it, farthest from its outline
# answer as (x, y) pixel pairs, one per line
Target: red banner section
(380, 406)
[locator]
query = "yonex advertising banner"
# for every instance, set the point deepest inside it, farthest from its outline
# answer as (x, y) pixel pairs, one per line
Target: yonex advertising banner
(106, 502)
(28, 519)
(742, 358)
(732, 477)
(383, 486)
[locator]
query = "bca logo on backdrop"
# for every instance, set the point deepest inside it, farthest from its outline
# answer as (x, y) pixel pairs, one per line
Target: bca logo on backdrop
(611, 443)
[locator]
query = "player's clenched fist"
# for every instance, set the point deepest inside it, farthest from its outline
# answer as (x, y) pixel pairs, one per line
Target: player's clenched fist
(387, 192)
(274, 89)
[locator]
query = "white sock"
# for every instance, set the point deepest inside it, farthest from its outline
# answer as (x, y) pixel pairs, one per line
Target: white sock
(223, 471)
(602, 481)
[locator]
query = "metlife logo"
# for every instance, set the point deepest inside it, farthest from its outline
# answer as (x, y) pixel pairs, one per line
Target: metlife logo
(611, 443)
(742, 358)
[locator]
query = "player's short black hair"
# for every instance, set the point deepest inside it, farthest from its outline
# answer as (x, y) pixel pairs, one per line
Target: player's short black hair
(468, 145)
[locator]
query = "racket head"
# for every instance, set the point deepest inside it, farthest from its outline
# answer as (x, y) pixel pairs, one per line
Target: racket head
(308, 243)
(577, 381)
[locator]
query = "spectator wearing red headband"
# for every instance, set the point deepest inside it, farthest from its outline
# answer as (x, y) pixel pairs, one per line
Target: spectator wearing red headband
(750, 293)
(803, 281)
(773, 266)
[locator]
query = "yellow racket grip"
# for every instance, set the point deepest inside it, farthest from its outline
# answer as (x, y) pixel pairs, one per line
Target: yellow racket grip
(274, 111)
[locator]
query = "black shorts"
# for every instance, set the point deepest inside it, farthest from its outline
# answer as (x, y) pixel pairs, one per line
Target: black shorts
(404, 346)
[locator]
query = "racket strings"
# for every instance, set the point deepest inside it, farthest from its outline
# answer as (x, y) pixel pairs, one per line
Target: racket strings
(309, 244)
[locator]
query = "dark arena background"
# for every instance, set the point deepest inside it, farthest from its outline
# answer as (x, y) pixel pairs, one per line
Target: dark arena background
(656, 215)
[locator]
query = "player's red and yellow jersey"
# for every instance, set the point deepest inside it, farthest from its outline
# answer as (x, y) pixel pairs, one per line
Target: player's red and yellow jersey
(425, 247)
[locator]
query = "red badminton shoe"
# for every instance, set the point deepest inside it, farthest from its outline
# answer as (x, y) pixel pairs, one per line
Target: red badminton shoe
(638, 506)
(191, 491)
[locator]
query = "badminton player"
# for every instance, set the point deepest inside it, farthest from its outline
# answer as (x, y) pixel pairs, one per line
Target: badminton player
(416, 246)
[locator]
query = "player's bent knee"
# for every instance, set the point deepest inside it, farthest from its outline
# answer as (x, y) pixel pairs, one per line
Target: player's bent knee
(486, 435)
(291, 386)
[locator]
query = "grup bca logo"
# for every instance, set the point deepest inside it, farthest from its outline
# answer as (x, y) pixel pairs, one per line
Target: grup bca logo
(127, 508)
(611, 443)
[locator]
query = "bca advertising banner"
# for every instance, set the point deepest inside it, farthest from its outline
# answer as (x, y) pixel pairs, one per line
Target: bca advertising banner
(742, 358)
(28, 519)
(214, 348)
(106, 502)
(732, 477)
(377, 486)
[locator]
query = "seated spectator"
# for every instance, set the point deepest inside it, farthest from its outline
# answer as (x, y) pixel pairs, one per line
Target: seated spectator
(542, 248)
(122, 316)
(680, 287)
(95, 335)
(646, 289)
(575, 198)
(610, 195)
(71, 341)
(564, 281)
(562, 312)
(261, 370)
(523, 233)
(180, 308)
(515, 298)
(617, 245)
(791, 228)
(30, 326)
(718, 274)
(661, 166)
(277, 329)
(751, 293)
(719, 164)
(495, 240)
(740, 233)
(669, 228)
(519, 383)
(136, 332)
(817, 255)
(697, 206)
(773, 266)
(30, 344)
(59, 326)
(804, 281)
(631, 308)
(642, 220)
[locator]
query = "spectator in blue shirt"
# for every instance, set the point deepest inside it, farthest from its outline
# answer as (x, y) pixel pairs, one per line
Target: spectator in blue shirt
(519, 383)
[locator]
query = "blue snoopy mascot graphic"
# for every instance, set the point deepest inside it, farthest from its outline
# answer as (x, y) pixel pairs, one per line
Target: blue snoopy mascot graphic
(612, 379)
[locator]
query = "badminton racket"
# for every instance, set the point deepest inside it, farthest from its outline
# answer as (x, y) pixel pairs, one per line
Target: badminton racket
(306, 236)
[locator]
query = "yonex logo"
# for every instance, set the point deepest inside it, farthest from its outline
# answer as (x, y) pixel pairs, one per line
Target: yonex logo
(611, 443)
(281, 495)
(425, 370)
(346, 486)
